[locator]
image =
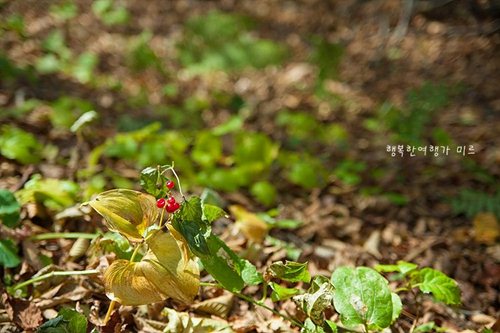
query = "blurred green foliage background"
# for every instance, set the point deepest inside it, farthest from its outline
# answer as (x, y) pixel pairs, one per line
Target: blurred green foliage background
(199, 92)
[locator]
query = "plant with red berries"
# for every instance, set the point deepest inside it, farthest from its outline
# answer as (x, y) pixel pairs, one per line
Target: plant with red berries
(167, 248)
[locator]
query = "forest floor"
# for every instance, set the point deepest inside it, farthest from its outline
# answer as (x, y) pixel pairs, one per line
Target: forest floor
(374, 208)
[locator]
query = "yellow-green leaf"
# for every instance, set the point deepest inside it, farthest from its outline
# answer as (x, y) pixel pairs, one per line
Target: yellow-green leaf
(165, 271)
(128, 212)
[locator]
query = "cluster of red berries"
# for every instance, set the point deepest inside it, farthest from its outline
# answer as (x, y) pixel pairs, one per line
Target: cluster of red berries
(171, 204)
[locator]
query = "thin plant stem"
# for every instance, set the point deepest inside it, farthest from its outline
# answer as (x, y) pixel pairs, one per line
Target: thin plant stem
(178, 180)
(161, 217)
(55, 235)
(135, 252)
(110, 310)
(54, 273)
(264, 292)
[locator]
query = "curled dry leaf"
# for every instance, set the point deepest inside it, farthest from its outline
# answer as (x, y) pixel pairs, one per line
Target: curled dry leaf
(165, 271)
(127, 212)
(251, 225)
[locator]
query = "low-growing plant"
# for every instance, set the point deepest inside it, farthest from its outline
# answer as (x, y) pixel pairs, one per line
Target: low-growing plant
(220, 41)
(164, 240)
(19, 145)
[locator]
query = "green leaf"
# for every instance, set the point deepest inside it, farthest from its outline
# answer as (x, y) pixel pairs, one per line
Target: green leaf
(115, 243)
(66, 110)
(362, 297)
(191, 210)
(442, 287)
(19, 145)
(327, 56)
(318, 298)
(192, 221)
(308, 173)
(217, 40)
(48, 64)
(397, 306)
(330, 326)
(249, 272)
(9, 208)
(280, 224)
(153, 181)
(207, 149)
(84, 67)
(189, 222)
(234, 124)
(432, 327)
(210, 197)
(264, 192)
(53, 326)
(212, 213)
(402, 267)
(255, 150)
(8, 254)
(53, 193)
(290, 271)
(77, 321)
(195, 234)
(68, 320)
(220, 265)
(64, 11)
(282, 293)
(225, 266)
(310, 327)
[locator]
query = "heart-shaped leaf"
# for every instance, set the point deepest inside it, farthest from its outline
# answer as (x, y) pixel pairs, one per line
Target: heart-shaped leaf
(127, 212)
(165, 271)
(362, 297)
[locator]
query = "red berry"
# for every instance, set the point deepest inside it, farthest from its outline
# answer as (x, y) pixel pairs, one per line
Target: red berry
(172, 207)
(160, 203)
(171, 200)
(170, 184)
